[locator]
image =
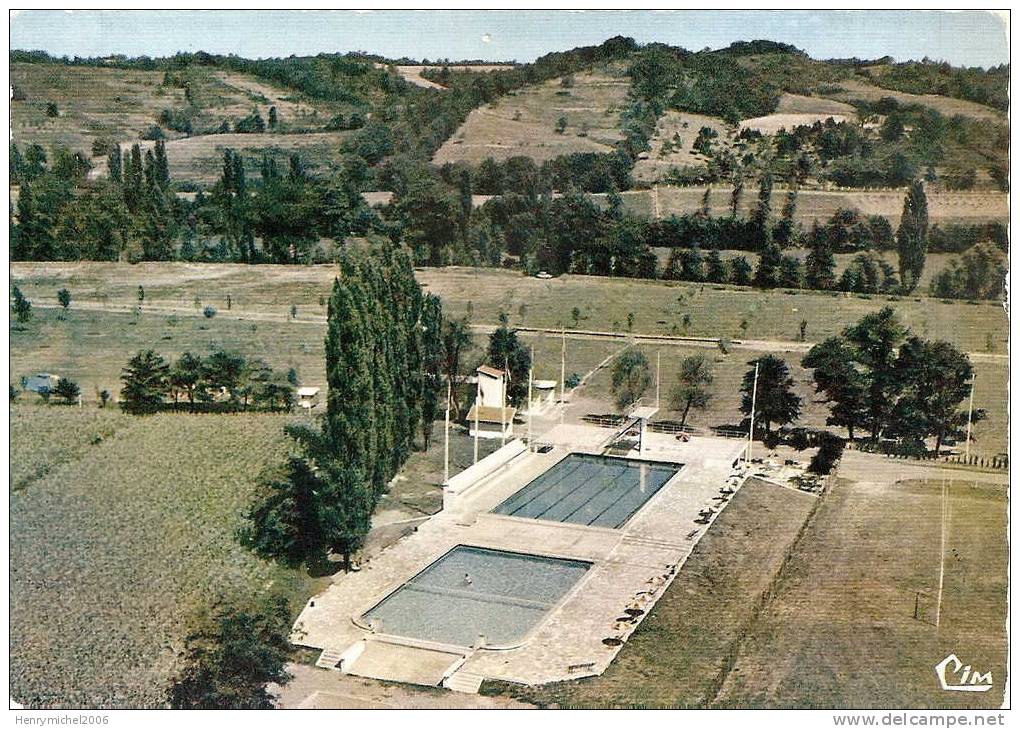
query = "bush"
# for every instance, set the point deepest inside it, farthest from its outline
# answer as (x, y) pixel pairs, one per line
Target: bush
(209, 312)
(52, 110)
(67, 390)
(153, 133)
(828, 455)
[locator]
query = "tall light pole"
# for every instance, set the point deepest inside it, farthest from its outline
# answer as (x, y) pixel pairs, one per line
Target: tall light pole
(754, 400)
(563, 372)
(970, 414)
(942, 550)
(478, 400)
(446, 437)
(531, 404)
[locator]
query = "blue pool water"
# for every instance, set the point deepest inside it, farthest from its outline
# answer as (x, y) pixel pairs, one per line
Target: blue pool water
(593, 490)
(471, 591)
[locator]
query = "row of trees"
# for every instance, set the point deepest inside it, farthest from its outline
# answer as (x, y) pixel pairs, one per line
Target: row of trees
(384, 360)
(218, 381)
(876, 377)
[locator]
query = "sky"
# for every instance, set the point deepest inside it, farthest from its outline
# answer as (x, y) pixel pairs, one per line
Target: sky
(973, 38)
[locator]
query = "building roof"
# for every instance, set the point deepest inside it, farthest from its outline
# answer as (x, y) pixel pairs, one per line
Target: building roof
(491, 414)
(545, 384)
(307, 391)
(490, 371)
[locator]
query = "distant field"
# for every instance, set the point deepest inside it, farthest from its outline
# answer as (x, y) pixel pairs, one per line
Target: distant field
(840, 631)
(92, 346)
(788, 120)
(522, 123)
(672, 145)
(200, 159)
(413, 75)
(134, 534)
(676, 656)
(975, 207)
(797, 104)
(859, 89)
(658, 306)
(121, 105)
(93, 102)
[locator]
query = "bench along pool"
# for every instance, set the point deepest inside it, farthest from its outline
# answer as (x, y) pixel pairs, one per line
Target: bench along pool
(471, 592)
(589, 489)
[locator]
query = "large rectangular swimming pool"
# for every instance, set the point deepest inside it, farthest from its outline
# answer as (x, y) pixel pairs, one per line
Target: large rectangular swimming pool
(471, 592)
(589, 489)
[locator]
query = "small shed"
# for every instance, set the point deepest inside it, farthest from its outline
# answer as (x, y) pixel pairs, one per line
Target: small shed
(491, 422)
(491, 386)
(41, 382)
(543, 396)
(308, 397)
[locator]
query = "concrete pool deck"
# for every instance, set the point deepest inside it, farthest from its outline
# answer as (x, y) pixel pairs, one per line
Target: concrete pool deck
(631, 565)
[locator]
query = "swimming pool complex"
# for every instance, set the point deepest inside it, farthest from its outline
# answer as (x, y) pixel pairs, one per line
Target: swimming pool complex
(592, 490)
(471, 592)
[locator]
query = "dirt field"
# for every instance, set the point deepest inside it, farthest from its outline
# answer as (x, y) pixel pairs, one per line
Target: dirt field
(678, 654)
(522, 123)
(841, 629)
(860, 89)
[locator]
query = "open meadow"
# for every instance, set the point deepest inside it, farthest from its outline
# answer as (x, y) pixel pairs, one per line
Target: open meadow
(840, 630)
(135, 530)
(522, 122)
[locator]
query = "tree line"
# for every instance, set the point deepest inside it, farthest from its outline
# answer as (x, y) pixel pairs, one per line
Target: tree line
(220, 381)
(879, 380)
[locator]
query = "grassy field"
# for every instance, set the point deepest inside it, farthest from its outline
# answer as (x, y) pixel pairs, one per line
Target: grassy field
(841, 632)
(113, 550)
(120, 105)
(604, 303)
(853, 89)
(522, 123)
(48, 437)
(92, 346)
(974, 207)
(678, 653)
(93, 102)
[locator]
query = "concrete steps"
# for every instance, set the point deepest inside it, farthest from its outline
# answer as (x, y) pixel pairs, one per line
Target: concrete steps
(464, 682)
(330, 659)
